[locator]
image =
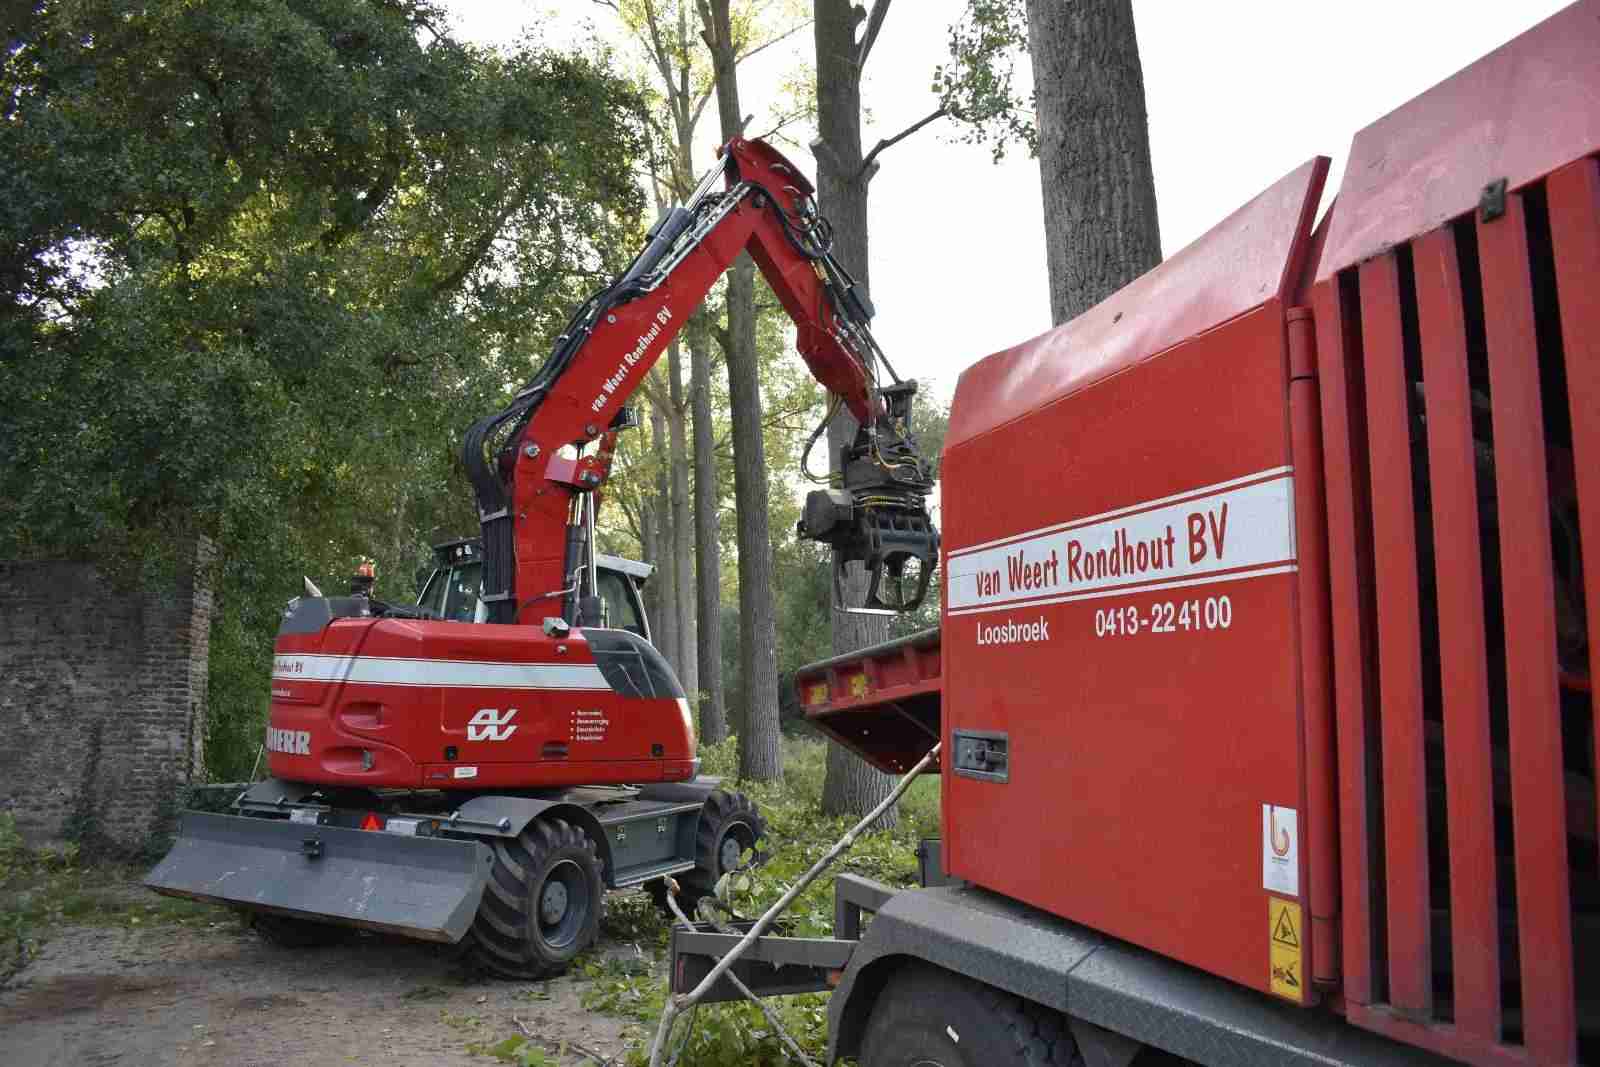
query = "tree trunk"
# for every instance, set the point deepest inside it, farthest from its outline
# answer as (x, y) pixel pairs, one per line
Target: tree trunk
(666, 620)
(707, 540)
(851, 786)
(760, 752)
(682, 530)
(1100, 224)
(648, 543)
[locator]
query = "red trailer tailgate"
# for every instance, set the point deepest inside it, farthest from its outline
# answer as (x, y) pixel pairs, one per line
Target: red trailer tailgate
(882, 702)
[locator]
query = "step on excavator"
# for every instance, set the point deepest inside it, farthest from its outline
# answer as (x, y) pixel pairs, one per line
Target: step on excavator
(479, 767)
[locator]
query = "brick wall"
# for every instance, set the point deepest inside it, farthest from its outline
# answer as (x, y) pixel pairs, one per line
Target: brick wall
(102, 700)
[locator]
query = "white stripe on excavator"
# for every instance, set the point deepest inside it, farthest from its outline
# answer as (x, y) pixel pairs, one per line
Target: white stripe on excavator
(1147, 505)
(463, 674)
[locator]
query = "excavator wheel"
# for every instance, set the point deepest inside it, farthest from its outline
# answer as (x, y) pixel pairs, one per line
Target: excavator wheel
(284, 932)
(541, 906)
(729, 826)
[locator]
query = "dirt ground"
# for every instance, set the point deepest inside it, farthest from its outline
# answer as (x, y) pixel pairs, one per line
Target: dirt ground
(214, 993)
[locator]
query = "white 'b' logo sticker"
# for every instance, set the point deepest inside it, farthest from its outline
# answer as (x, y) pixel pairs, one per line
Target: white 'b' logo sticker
(489, 725)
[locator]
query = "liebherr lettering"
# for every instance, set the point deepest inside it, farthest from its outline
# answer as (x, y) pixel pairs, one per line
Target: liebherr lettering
(289, 742)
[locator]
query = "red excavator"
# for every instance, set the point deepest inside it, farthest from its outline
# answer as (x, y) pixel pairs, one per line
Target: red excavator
(484, 783)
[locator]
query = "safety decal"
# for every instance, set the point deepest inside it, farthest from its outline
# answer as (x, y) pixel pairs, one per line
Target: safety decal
(1287, 977)
(1280, 850)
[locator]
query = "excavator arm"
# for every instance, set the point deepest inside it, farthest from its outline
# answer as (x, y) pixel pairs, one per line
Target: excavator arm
(537, 465)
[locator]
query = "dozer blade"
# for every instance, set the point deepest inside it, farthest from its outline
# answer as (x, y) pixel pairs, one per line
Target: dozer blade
(421, 887)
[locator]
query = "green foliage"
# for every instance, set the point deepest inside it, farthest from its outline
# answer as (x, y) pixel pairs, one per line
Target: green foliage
(263, 261)
(521, 1051)
(737, 1034)
(976, 86)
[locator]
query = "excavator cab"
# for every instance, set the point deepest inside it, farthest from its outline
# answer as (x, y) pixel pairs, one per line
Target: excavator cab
(451, 591)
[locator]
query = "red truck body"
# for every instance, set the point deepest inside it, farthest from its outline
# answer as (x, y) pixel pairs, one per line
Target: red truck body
(1277, 662)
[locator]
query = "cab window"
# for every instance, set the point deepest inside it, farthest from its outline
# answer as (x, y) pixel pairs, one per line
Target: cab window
(432, 598)
(461, 593)
(620, 601)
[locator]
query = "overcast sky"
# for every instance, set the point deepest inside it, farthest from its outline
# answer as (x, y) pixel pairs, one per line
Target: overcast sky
(1239, 93)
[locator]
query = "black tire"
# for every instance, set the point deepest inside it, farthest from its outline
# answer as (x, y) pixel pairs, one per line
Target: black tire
(285, 932)
(541, 906)
(729, 826)
(927, 1017)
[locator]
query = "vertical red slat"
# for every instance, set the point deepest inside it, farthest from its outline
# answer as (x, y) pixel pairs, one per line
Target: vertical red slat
(1474, 919)
(1574, 197)
(1334, 334)
(1405, 795)
(1538, 802)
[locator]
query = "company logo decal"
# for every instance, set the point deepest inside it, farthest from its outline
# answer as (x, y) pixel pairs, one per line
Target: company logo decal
(489, 725)
(1217, 533)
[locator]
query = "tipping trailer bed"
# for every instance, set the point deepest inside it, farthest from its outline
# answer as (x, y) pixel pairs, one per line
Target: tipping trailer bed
(881, 702)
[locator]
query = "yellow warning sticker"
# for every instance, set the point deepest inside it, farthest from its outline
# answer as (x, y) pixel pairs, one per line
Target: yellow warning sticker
(819, 694)
(858, 685)
(1285, 948)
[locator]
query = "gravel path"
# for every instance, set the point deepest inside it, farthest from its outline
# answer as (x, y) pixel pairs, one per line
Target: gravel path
(203, 995)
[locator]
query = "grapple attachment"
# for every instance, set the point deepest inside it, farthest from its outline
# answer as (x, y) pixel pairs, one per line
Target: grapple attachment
(877, 513)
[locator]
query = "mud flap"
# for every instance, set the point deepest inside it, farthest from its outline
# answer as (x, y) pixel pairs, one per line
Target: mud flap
(421, 887)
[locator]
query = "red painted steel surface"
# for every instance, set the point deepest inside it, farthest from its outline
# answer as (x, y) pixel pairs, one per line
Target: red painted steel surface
(403, 690)
(881, 703)
(1405, 801)
(1349, 584)
(1474, 916)
(1538, 796)
(1321, 832)
(1574, 200)
(623, 348)
(1518, 113)
(1247, 259)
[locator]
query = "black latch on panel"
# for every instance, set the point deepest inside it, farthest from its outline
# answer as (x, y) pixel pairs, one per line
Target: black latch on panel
(1492, 201)
(983, 754)
(311, 848)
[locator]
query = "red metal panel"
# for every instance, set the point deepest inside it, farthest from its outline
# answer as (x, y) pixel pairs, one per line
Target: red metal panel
(1248, 258)
(1518, 113)
(1316, 650)
(1574, 199)
(1449, 1040)
(1335, 335)
(1405, 800)
(1474, 919)
(1538, 799)
(1141, 757)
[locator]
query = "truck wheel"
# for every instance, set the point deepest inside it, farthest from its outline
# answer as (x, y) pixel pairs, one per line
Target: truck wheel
(541, 905)
(729, 825)
(284, 932)
(927, 1017)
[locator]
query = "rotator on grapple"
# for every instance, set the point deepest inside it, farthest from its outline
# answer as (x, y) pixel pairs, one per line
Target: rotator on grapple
(485, 784)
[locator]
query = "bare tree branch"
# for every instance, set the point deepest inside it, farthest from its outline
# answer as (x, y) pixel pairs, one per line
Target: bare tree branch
(770, 41)
(880, 8)
(783, 121)
(866, 164)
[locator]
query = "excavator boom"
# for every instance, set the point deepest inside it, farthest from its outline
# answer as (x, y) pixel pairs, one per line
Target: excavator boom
(537, 464)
